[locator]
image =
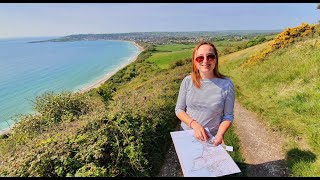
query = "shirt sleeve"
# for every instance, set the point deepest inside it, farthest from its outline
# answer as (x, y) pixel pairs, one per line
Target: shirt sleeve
(181, 101)
(228, 112)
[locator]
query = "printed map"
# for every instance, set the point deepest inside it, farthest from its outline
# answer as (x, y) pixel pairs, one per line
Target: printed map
(202, 159)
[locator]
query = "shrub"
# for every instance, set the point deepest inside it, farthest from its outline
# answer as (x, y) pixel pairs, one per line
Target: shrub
(63, 106)
(91, 170)
(180, 63)
(255, 41)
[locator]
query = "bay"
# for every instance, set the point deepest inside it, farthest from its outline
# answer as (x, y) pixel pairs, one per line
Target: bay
(28, 70)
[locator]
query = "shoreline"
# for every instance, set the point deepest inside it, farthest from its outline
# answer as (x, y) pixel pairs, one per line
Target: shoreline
(110, 74)
(99, 81)
(4, 131)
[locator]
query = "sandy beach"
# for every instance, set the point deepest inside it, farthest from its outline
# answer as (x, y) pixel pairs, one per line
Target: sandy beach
(108, 75)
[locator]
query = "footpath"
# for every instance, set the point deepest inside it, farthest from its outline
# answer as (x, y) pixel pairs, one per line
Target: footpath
(261, 148)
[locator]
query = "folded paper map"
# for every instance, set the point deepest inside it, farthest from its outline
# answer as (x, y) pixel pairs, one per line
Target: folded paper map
(202, 159)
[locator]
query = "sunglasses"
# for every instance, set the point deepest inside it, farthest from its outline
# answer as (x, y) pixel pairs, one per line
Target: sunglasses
(210, 57)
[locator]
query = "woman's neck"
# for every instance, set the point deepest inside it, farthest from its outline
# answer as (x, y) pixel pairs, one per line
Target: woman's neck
(208, 75)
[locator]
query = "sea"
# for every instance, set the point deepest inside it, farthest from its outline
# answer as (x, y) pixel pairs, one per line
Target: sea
(28, 70)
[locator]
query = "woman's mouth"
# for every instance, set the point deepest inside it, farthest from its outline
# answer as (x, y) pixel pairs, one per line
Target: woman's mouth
(206, 65)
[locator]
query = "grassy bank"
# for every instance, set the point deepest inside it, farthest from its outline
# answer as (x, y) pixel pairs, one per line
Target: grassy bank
(284, 90)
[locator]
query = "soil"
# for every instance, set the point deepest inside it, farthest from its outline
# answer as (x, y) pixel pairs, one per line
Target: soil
(260, 146)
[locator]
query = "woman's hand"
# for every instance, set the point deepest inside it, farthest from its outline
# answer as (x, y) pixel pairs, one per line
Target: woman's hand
(218, 139)
(199, 131)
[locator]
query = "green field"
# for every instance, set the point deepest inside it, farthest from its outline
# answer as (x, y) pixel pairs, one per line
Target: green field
(165, 59)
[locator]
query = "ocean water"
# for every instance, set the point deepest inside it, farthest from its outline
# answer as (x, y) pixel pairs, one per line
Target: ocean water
(28, 70)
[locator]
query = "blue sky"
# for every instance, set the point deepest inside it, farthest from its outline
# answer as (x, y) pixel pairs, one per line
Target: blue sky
(54, 19)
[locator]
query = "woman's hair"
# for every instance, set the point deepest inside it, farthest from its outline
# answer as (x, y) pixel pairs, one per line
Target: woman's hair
(195, 75)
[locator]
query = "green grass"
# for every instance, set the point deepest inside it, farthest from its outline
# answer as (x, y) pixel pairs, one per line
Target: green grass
(165, 59)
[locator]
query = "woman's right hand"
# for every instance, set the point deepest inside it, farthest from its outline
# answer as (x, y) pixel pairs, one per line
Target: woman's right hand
(199, 131)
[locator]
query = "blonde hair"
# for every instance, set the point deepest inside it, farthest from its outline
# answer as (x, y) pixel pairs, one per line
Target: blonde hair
(195, 75)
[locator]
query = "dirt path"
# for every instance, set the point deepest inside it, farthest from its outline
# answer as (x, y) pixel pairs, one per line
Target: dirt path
(261, 148)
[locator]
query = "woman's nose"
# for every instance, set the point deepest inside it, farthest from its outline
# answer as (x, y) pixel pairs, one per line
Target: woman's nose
(205, 59)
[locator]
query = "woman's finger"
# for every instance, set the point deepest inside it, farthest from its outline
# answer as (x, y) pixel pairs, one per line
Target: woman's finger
(204, 136)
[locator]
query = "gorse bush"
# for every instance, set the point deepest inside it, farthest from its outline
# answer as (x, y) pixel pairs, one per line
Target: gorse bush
(288, 36)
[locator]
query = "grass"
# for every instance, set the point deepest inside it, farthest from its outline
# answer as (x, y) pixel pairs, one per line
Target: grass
(165, 59)
(284, 90)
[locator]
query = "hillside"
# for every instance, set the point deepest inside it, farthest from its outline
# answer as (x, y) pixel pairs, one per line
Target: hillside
(283, 88)
(122, 128)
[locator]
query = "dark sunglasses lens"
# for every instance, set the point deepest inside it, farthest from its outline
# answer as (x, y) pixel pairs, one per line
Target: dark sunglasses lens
(199, 59)
(211, 57)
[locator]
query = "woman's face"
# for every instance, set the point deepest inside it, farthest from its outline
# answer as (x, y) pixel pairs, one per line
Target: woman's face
(205, 59)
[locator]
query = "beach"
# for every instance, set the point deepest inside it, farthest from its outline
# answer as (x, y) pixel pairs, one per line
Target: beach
(108, 75)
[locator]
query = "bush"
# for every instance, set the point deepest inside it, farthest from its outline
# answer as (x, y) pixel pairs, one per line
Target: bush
(63, 106)
(91, 170)
(180, 63)
(4, 136)
(289, 35)
(255, 41)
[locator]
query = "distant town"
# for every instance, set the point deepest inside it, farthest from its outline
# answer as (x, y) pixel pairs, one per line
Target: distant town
(168, 37)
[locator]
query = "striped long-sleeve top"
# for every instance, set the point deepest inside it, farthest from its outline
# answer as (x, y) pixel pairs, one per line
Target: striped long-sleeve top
(209, 105)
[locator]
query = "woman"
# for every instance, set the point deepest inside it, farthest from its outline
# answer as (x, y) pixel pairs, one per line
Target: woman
(206, 97)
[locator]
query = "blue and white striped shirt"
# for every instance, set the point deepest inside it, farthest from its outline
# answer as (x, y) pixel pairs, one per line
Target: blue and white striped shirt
(209, 105)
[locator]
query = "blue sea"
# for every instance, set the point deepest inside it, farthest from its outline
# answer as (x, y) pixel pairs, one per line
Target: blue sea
(28, 70)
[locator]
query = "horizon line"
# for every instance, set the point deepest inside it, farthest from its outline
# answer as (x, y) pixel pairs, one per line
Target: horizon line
(235, 30)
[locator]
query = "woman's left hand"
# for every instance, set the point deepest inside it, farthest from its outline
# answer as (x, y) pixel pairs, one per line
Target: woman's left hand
(218, 140)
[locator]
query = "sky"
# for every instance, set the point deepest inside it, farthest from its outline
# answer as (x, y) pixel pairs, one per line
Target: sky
(61, 19)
